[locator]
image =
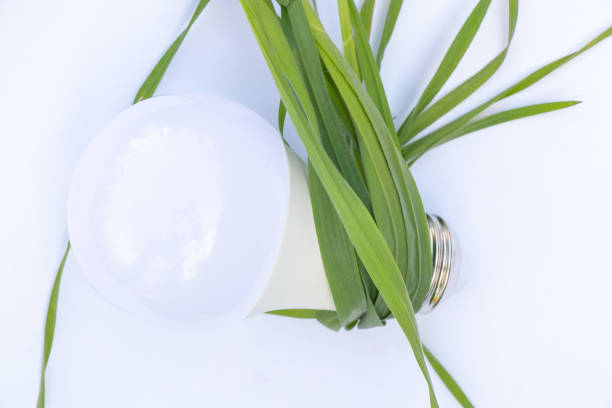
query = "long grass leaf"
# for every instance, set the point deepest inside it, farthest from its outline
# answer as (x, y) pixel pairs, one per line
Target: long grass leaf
(339, 258)
(338, 255)
(488, 121)
(349, 132)
(152, 82)
(50, 327)
(371, 318)
(282, 114)
(413, 125)
(348, 41)
(384, 199)
(416, 149)
(360, 226)
(298, 313)
(453, 56)
(390, 19)
(368, 66)
(448, 380)
(376, 137)
(367, 14)
(548, 68)
(511, 114)
(146, 91)
(389, 224)
(308, 59)
(328, 318)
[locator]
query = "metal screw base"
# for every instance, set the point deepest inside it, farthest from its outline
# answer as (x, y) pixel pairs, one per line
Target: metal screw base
(444, 252)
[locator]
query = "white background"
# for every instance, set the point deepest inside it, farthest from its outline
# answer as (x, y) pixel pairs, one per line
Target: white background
(530, 202)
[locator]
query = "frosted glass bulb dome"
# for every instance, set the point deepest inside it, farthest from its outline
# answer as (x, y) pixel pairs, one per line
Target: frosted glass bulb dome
(179, 206)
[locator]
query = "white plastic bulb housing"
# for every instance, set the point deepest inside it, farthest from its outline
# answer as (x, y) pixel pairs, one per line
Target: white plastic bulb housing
(192, 207)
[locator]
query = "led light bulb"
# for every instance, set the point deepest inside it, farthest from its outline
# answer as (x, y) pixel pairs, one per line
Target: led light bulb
(180, 206)
(192, 208)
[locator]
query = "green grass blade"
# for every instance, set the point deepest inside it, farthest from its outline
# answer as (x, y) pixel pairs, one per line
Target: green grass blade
(346, 127)
(348, 41)
(376, 138)
(548, 68)
(298, 313)
(146, 91)
(326, 317)
(348, 131)
(413, 125)
(390, 19)
(152, 82)
(360, 226)
(448, 380)
(330, 320)
(383, 197)
(511, 114)
(419, 147)
(338, 254)
(367, 14)
(453, 56)
(371, 318)
(368, 66)
(282, 114)
(316, 82)
(50, 327)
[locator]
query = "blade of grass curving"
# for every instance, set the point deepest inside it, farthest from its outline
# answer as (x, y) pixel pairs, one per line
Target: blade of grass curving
(416, 149)
(386, 205)
(390, 19)
(448, 380)
(371, 318)
(348, 41)
(326, 317)
(152, 82)
(315, 78)
(329, 320)
(361, 228)
(315, 6)
(376, 137)
(509, 115)
(369, 69)
(146, 91)
(384, 200)
(367, 15)
(347, 132)
(386, 208)
(344, 124)
(413, 125)
(368, 66)
(451, 59)
(338, 255)
(492, 120)
(282, 114)
(346, 127)
(50, 327)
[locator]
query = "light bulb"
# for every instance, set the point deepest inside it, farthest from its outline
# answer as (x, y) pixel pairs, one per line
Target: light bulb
(193, 208)
(179, 206)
